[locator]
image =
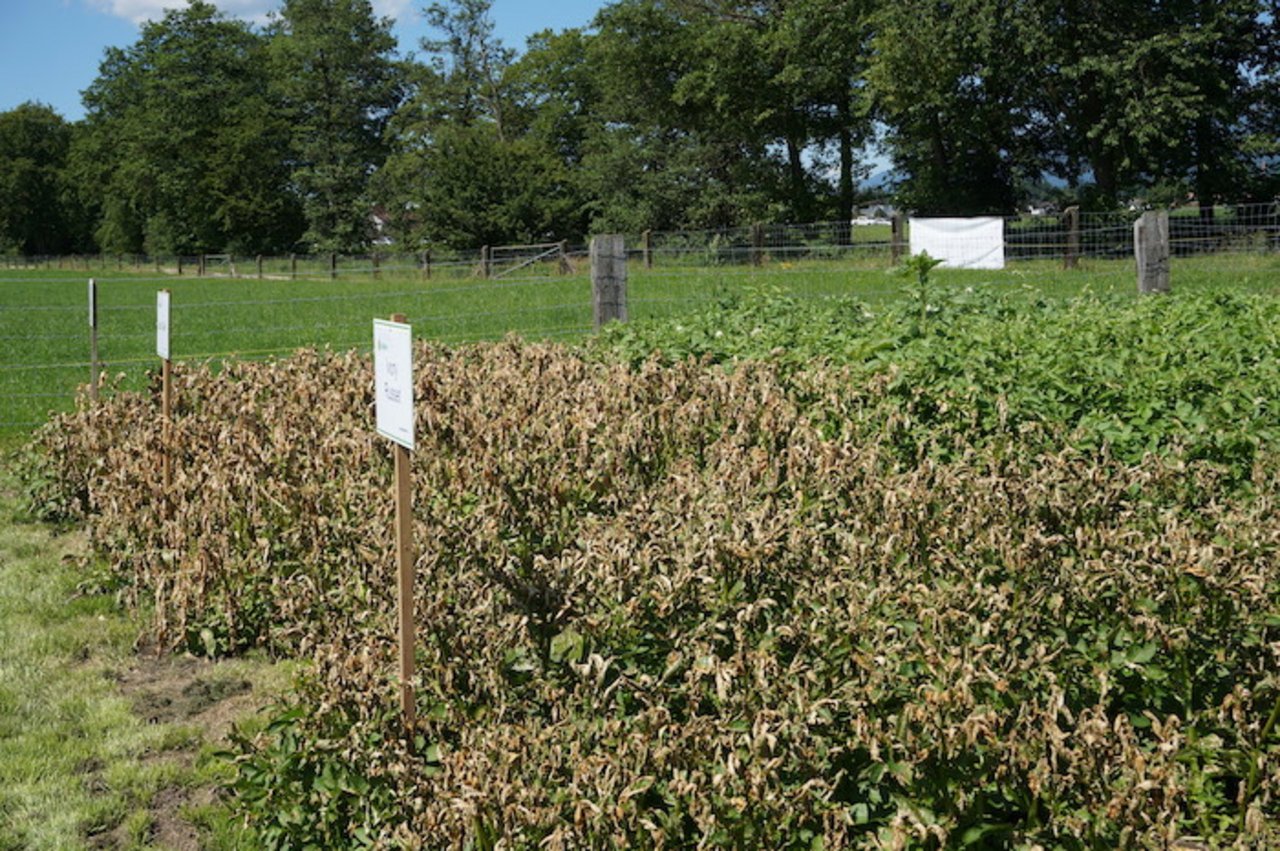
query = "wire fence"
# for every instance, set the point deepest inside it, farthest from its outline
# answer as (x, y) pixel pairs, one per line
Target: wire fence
(1068, 236)
(231, 307)
(45, 336)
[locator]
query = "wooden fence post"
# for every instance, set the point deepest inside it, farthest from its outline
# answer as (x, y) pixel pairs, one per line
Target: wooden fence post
(608, 279)
(646, 242)
(426, 264)
(897, 240)
(333, 265)
(1071, 218)
(563, 248)
(179, 265)
(757, 244)
(377, 266)
(486, 262)
(259, 267)
(293, 267)
(1151, 250)
(203, 266)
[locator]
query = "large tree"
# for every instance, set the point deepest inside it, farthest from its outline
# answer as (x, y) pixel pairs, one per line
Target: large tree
(181, 150)
(474, 164)
(35, 217)
(670, 149)
(953, 81)
(338, 82)
(1142, 92)
(790, 73)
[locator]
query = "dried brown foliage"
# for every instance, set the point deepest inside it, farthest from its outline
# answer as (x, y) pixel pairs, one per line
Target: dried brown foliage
(659, 607)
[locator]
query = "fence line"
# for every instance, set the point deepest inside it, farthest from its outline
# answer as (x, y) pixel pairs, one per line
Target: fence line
(1222, 228)
(328, 301)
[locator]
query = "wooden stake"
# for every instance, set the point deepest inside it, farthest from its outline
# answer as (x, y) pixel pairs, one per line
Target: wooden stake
(163, 321)
(166, 406)
(404, 567)
(93, 340)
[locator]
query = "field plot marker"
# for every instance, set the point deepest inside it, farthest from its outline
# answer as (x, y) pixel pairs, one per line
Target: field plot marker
(93, 340)
(166, 372)
(393, 396)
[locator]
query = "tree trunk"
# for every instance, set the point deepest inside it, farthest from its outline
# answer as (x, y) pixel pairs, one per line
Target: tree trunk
(1104, 172)
(799, 191)
(846, 167)
(1204, 168)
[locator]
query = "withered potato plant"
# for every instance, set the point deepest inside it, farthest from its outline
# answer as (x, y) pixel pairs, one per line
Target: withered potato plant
(674, 606)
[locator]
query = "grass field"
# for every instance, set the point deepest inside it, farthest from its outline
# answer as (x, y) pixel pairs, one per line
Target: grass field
(44, 334)
(99, 747)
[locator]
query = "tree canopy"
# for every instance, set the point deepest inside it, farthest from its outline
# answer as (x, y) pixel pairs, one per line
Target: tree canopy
(210, 134)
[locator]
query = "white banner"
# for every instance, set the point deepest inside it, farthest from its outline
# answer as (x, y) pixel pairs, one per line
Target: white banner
(976, 243)
(393, 380)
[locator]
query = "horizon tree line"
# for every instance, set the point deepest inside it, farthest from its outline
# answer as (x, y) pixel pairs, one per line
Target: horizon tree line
(210, 134)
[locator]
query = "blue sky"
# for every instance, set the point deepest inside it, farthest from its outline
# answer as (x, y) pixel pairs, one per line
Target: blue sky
(51, 48)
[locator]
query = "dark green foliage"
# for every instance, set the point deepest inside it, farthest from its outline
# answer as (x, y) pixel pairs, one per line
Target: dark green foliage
(468, 169)
(1186, 375)
(35, 214)
(337, 85)
(182, 152)
(209, 135)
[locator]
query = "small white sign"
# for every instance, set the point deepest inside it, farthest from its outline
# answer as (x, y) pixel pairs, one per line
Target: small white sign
(162, 324)
(393, 380)
(93, 303)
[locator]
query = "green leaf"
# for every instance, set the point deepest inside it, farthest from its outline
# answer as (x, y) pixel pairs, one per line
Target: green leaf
(568, 646)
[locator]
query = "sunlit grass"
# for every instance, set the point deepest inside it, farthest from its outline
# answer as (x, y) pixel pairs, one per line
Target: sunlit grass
(44, 333)
(75, 761)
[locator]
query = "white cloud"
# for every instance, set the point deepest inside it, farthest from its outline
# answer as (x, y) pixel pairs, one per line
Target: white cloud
(397, 9)
(138, 11)
(256, 11)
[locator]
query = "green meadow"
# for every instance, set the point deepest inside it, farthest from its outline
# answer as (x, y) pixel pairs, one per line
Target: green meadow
(45, 336)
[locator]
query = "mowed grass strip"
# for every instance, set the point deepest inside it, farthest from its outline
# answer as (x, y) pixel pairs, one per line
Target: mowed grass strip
(79, 766)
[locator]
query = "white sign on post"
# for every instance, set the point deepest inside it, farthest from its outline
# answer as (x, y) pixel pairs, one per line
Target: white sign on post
(162, 324)
(393, 380)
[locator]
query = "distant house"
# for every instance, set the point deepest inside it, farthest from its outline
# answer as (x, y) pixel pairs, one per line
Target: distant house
(876, 213)
(1042, 208)
(381, 221)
